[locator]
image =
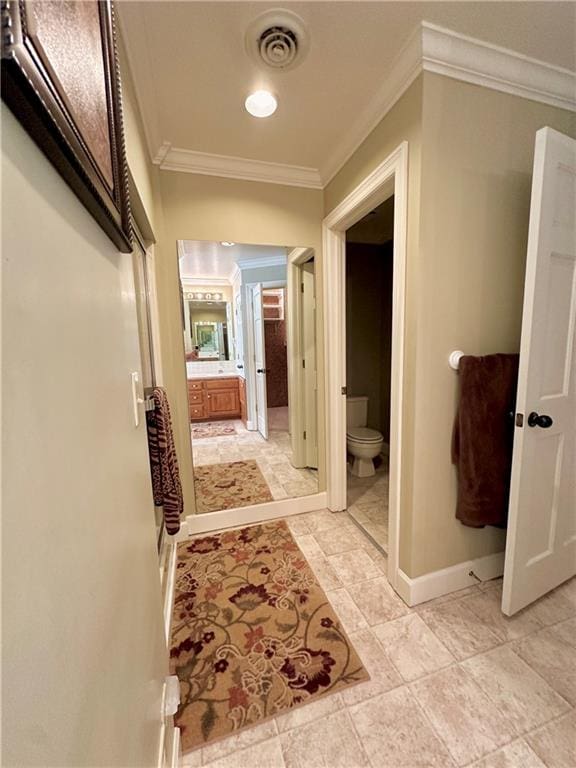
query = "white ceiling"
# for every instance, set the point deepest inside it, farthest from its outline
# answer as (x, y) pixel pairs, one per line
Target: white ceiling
(192, 72)
(207, 260)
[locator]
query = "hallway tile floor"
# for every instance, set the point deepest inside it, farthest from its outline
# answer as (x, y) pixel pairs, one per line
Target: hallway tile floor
(368, 503)
(454, 682)
(272, 456)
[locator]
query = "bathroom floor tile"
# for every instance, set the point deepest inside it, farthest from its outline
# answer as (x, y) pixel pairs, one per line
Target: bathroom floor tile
(377, 600)
(347, 610)
(470, 725)
(308, 713)
(552, 653)
(515, 689)
(412, 647)
(487, 606)
(331, 742)
(554, 743)
(341, 539)
(238, 741)
(395, 733)
(354, 566)
(459, 629)
(324, 572)
(383, 676)
(515, 755)
(267, 754)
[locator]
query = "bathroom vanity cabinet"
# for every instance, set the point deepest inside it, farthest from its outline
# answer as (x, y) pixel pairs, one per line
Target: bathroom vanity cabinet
(213, 398)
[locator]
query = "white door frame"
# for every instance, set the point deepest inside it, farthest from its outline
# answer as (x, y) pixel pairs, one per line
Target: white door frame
(296, 258)
(389, 178)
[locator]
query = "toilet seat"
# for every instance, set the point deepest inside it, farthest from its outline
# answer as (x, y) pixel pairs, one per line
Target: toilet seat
(363, 435)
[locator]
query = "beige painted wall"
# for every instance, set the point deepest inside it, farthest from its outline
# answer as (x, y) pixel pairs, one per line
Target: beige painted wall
(402, 123)
(84, 655)
(209, 208)
(477, 158)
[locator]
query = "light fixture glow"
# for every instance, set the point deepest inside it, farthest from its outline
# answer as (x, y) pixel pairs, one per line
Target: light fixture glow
(261, 104)
(227, 243)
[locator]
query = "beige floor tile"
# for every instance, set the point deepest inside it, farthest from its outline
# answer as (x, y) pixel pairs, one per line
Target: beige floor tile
(395, 733)
(378, 557)
(568, 590)
(460, 630)
(555, 743)
(553, 608)
(354, 566)
(487, 606)
(515, 689)
(244, 738)
(323, 520)
(192, 759)
(324, 572)
(267, 754)
(327, 743)
(383, 676)
(552, 653)
(306, 713)
(449, 598)
(515, 755)
(347, 610)
(469, 723)
(377, 600)
(298, 525)
(309, 546)
(412, 647)
(341, 539)
(490, 584)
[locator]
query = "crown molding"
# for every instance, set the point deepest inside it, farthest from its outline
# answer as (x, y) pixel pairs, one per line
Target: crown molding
(460, 57)
(267, 261)
(234, 274)
(174, 159)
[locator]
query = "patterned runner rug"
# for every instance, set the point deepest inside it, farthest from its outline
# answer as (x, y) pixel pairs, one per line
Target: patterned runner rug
(212, 429)
(253, 633)
(224, 486)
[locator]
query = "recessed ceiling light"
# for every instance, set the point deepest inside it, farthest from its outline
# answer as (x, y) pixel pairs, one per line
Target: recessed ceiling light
(261, 104)
(227, 243)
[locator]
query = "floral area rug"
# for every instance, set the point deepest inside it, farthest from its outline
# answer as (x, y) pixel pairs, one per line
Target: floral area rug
(224, 486)
(212, 429)
(253, 633)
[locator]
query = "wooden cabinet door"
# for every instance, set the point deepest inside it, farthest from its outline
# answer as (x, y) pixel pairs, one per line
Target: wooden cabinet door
(223, 403)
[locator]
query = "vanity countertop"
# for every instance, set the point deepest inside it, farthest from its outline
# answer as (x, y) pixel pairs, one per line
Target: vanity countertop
(196, 376)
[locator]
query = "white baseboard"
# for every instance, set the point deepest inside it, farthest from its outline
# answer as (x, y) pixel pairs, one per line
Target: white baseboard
(439, 583)
(170, 585)
(257, 513)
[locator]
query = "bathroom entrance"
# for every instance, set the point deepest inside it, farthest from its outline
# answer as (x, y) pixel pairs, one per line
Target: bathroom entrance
(368, 292)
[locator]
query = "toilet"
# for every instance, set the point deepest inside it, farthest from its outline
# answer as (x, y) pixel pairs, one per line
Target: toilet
(362, 442)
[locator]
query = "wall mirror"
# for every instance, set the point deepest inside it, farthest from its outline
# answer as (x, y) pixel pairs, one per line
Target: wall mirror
(250, 344)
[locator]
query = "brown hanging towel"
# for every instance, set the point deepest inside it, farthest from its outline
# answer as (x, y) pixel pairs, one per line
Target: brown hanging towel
(483, 437)
(166, 486)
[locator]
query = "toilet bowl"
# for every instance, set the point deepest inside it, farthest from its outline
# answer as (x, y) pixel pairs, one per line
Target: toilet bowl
(363, 443)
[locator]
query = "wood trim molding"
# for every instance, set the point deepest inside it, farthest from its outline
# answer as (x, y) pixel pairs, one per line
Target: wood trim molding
(430, 48)
(390, 177)
(266, 261)
(447, 580)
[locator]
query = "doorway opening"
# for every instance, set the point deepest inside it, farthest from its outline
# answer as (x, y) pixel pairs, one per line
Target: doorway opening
(368, 296)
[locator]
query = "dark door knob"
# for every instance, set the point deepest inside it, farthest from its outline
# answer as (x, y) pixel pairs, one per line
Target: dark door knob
(534, 420)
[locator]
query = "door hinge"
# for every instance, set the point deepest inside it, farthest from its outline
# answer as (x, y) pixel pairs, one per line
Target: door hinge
(303, 363)
(301, 287)
(304, 434)
(519, 419)
(344, 391)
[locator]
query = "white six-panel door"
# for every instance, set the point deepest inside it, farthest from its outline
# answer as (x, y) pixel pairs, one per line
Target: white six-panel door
(541, 538)
(260, 361)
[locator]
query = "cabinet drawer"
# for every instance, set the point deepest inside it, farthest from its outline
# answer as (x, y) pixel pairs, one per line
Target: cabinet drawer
(196, 412)
(194, 385)
(222, 384)
(195, 396)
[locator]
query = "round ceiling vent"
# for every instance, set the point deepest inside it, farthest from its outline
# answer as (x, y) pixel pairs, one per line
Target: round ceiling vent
(278, 39)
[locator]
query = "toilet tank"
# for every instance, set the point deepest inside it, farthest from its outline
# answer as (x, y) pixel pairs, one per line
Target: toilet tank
(356, 411)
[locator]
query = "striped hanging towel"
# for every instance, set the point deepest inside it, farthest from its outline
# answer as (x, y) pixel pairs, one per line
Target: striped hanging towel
(166, 486)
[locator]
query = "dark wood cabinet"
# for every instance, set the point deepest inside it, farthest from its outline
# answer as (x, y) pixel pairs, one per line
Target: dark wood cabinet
(213, 399)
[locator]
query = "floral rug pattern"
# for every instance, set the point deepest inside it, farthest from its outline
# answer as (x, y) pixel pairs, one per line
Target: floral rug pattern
(212, 429)
(253, 633)
(233, 484)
